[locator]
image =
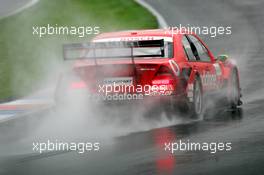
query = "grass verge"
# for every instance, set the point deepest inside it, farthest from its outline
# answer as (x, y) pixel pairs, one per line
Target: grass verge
(26, 59)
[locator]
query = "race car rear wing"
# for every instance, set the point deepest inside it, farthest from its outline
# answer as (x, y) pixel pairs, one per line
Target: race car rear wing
(79, 51)
(83, 51)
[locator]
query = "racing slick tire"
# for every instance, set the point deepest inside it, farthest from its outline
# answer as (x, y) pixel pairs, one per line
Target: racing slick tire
(234, 91)
(197, 106)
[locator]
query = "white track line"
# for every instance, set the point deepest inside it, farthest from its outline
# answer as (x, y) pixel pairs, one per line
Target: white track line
(29, 4)
(161, 20)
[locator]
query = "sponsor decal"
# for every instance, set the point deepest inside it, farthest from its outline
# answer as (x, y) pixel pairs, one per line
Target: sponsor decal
(209, 79)
(139, 38)
(218, 70)
(190, 92)
(147, 69)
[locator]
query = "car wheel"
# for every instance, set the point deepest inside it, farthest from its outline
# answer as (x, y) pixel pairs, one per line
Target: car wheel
(234, 91)
(197, 106)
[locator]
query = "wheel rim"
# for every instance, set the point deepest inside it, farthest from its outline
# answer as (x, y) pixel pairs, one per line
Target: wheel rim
(198, 99)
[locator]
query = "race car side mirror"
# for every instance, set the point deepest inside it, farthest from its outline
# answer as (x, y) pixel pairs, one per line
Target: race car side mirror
(222, 58)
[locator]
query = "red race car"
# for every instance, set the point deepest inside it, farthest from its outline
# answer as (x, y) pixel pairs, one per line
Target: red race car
(174, 69)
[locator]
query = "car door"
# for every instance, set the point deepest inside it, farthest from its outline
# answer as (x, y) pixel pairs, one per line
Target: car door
(203, 63)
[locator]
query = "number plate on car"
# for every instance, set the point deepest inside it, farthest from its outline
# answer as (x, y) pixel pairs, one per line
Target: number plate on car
(118, 81)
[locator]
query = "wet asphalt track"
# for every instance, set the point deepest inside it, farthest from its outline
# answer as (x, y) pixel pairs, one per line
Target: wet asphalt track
(141, 152)
(8, 7)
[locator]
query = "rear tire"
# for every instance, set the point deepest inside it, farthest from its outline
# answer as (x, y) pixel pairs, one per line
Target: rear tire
(234, 91)
(197, 106)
